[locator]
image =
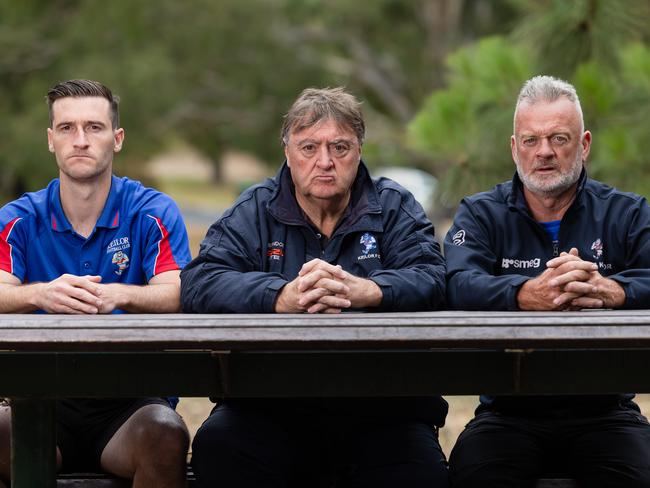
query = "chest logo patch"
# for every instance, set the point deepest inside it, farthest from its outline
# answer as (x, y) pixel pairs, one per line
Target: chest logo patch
(121, 260)
(520, 263)
(368, 243)
(368, 247)
(597, 248)
(275, 250)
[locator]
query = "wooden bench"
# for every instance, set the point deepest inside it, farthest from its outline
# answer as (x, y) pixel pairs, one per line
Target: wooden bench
(94, 480)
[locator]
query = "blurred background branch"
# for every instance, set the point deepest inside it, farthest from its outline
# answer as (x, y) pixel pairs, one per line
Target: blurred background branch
(438, 78)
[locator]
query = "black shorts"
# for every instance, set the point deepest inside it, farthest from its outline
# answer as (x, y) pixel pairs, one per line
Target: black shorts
(608, 449)
(294, 445)
(85, 426)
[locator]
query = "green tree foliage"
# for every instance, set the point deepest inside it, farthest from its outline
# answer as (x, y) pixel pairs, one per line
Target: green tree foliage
(597, 45)
(618, 105)
(220, 74)
(468, 123)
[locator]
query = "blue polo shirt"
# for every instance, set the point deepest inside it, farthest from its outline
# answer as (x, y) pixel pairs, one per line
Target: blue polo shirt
(140, 233)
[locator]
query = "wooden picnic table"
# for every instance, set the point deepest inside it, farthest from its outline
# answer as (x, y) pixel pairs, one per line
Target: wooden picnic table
(45, 357)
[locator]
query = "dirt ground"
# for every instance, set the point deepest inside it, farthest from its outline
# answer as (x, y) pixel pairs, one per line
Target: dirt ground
(461, 410)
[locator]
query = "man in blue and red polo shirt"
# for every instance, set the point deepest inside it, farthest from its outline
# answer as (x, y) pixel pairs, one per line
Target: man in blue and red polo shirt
(87, 244)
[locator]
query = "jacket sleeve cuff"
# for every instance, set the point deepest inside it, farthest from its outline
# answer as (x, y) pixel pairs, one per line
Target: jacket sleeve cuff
(271, 295)
(515, 286)
(386, 288)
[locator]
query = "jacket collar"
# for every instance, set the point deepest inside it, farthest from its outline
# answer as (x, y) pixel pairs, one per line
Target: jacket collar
(364, 201)
(517, 200)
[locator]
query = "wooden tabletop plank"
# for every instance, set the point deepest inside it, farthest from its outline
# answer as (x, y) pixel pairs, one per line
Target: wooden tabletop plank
(425, 330)
(450, 318)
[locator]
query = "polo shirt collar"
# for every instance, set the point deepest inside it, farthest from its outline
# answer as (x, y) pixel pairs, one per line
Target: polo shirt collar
(109, 218)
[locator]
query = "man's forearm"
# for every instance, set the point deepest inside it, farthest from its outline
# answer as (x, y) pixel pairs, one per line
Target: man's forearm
(152, 298)
(19, 298)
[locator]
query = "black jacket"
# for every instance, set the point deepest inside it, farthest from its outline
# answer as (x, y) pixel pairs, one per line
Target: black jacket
(495, 245)
(261, 243)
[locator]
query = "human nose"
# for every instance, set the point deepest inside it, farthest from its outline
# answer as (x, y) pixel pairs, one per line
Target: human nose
(544, 148)
(324, 157)
(80, 139)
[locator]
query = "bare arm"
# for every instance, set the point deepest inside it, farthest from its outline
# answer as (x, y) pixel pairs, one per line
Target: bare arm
(160, 295)
(67, 294)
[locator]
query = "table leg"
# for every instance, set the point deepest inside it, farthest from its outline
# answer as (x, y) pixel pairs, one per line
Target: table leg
(33, 443)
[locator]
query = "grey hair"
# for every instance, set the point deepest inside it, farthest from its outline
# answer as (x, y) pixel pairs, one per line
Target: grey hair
(548, 89)
(317, 104)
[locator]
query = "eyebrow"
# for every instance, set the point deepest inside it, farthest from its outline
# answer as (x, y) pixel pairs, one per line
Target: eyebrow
(315, 141)
(532, 134)
(85, 122)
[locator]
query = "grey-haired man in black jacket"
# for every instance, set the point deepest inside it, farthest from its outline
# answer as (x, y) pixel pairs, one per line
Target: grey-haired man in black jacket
(551, 239)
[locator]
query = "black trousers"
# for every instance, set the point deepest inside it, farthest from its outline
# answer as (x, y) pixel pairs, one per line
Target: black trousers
(611, 449)
(247, 447)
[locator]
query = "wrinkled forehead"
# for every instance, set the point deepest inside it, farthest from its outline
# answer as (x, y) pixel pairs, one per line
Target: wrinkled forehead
(69, 109)
(543, 114)
(326, 128)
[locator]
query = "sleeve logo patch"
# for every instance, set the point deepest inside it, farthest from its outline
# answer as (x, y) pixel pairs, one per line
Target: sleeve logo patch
(459, 238)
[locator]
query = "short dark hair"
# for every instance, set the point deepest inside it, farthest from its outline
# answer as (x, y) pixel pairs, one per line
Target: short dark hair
(84, 88)
(316, 104)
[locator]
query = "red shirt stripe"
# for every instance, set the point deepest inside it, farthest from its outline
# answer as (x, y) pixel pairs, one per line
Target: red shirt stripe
(165, 258)
(6, 259)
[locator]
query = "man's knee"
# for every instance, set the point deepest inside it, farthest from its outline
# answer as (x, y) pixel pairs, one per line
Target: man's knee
(227, 434)
(161, 431)
(495, 452)
(151, 444)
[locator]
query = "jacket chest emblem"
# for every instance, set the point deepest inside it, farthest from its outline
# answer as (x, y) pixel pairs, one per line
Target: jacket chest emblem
(520, 263)
(275, 250)
(368, 244)
(597, 249)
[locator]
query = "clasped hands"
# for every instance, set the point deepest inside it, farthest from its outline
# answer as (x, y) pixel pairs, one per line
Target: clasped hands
(73, 294)
(321, 287)
(570, 283)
